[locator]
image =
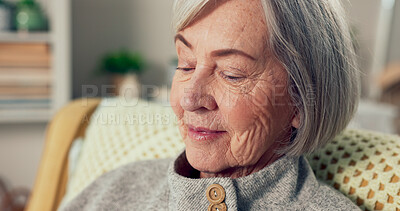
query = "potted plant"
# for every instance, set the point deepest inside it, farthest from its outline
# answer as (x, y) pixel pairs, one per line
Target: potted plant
(124, 67)
(30, 16)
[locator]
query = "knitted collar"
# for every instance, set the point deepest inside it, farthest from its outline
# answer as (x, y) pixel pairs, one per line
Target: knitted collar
(287, 181)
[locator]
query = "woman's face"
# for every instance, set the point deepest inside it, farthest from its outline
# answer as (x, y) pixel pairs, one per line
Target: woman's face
(229, 93)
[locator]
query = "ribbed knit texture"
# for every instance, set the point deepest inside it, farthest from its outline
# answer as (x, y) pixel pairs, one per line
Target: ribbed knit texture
(286, 184)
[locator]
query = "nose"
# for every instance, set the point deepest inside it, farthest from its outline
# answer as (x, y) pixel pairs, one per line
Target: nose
(196, 96)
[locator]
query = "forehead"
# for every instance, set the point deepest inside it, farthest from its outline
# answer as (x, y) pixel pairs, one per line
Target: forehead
(238, 24)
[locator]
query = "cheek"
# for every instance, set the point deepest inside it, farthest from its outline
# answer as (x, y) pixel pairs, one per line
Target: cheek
(175, 96)
(260, 113)
(249, 129)
(238, 116)
(246, 111)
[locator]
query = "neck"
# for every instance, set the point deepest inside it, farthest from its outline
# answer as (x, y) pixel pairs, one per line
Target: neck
(236, 172)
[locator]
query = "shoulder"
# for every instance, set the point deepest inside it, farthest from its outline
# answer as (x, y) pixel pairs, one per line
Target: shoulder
(128, 180)
(154, 168)
(327, 198)
(149, 171)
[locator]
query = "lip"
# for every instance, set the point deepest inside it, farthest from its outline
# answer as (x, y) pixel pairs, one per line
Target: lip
(203, 134)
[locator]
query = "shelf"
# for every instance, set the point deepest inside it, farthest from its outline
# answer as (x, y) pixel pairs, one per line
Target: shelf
(59, 40)
(24, 37)
(25, 116)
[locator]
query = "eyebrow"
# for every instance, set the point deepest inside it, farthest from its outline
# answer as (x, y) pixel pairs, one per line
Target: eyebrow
(216, 53)
(230, 51)
(183, 40)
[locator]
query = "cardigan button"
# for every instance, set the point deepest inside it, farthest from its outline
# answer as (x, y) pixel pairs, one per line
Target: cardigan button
(217, 207)
(215, 194)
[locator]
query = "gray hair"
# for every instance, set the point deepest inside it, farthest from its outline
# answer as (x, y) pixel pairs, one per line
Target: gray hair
(312, 41)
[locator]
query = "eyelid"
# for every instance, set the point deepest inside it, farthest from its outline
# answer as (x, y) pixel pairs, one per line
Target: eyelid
(233, 78)
(185, 68)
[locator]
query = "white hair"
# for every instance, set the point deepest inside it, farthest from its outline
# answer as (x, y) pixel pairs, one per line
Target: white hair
(312, 41)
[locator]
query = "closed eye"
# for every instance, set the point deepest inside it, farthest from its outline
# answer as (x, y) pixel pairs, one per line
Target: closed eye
(231, 77)
(185, 68)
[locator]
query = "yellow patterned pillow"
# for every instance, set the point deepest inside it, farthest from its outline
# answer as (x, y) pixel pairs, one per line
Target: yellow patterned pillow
(364, 166)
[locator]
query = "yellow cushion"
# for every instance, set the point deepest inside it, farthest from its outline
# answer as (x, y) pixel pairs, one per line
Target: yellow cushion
(363, 165)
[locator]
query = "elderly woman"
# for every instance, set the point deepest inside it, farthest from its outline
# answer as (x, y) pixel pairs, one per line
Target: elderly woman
(259, 83)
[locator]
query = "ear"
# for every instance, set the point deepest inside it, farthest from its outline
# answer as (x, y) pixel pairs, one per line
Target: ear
(296, 120)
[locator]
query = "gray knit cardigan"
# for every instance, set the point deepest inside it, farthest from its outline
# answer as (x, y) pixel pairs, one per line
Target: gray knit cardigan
(287, 184)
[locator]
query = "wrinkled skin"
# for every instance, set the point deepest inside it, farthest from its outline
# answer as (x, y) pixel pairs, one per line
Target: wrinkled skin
(246, 97)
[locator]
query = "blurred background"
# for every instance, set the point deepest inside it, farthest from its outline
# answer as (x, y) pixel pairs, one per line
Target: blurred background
(52, 52)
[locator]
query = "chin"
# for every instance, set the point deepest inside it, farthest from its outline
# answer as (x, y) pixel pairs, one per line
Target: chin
(201, 161)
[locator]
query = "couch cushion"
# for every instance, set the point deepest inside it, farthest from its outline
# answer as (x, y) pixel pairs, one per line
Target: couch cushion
(363, 165)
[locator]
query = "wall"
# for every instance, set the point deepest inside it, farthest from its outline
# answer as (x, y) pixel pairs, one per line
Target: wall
(358, 11)
(139, 25)
(394, 47)
(21, 146)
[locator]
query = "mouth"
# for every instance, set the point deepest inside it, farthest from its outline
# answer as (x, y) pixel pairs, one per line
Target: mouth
(203, 134)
